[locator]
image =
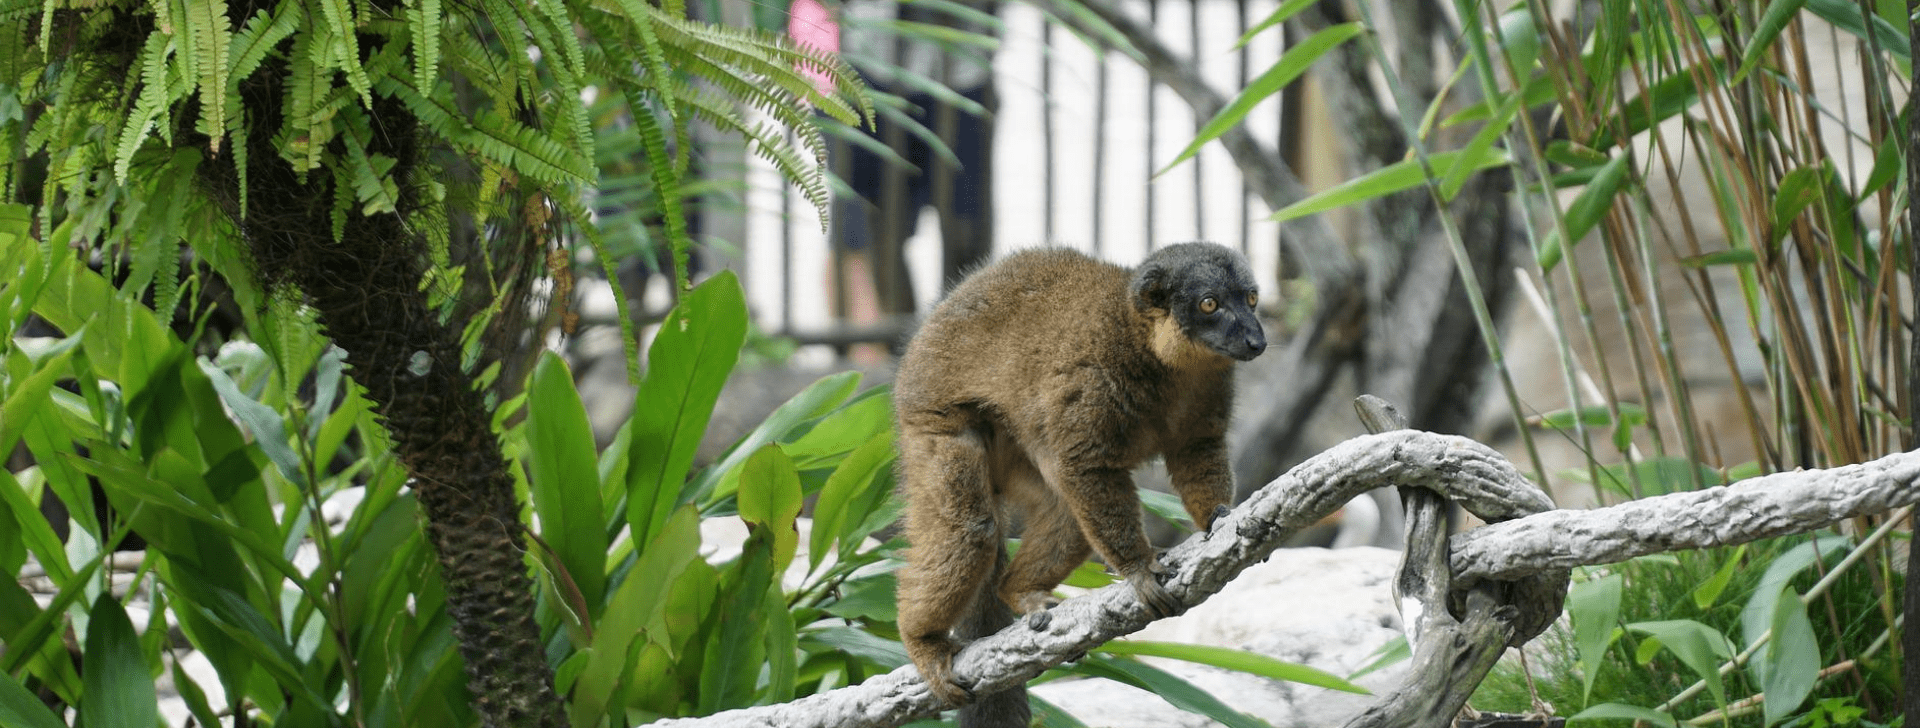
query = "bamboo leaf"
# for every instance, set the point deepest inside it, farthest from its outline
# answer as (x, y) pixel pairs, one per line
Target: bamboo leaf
(1594, 608)
(1279, 15)
(1291, 64)
(1620, 711)
(1252, 663)
(1774, 20)
(1384, 181)
(1585, 212)
(1180, 693)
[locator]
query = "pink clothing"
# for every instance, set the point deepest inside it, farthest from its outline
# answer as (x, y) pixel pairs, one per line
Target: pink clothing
(812, 26)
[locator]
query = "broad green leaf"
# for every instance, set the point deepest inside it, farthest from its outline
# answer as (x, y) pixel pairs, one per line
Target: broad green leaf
(855, 642)
(1709, 591)
(1396, 177)
(563, 479)
(120, 690)
(1180, 693)
(868, 414)
(1291, 64)
(1594, 608)
(832, 513)
(1586, 211)
(1252, 663)
(783, 646)
(1618, 711)
(1757, 616)
(1774, 20)
(1791, 660)
(1167, 506)
(268, 428)
(1846, 16)
(737, 649)
(30, 396)
(1700, 647)
(687, 365)
(20, 708)
(634, 614)
(770, 501)
(814, 402)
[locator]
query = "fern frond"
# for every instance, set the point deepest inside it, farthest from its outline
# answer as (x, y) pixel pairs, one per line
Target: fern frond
(344, 47)
(776, 60)
(151, 103)
(373, 185)
(424, 24)
(237, 129)
(308, 125)
(209, 34)
(255, 40)
(528, 150)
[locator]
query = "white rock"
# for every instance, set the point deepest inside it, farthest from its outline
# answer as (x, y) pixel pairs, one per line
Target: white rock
(1328, 609)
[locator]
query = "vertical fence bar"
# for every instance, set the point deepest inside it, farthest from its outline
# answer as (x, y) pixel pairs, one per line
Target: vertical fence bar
(1199, 170)
(1246, 192)
(1153, 120)
(1099, 148)
(1046, 119)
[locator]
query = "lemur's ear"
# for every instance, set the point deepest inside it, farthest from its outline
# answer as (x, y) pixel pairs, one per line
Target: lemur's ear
(1150, 285)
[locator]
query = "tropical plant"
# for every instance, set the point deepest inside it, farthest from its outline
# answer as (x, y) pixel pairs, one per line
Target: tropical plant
(397, 176)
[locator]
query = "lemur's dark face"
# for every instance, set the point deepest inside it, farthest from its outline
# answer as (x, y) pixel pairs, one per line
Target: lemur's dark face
(1209, 291)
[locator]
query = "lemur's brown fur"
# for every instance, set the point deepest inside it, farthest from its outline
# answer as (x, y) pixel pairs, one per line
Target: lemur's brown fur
(1036, 388)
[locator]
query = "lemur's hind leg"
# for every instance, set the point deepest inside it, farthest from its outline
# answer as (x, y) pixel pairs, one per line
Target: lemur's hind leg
(955, 542)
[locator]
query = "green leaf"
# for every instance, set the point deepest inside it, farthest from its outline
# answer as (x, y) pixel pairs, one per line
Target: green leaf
(1395, 651)
(810, 404)
(20, 708)
(32, 394)
(1778, 14)
(1700, 647)
(1790, 665)
(563, 479)
(1845, 14)
(1757, 616)
(635, 613)
(1709, 591)
(1586, 211)
(1180, 693)
(1279, 15)
(1291, 64)
(1735, 256)
(737, 650)
(1252, 663)
(119, 690)
(688, 363)
(1402, 175)
(770, 500)
(1618, 711)
(833, 513)
(1594, 607)
(1593, 415)
(268, 428)
(1798, 189)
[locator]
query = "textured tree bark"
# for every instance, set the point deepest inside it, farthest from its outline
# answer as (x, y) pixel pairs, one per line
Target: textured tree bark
(367, 290)
(1460, 469)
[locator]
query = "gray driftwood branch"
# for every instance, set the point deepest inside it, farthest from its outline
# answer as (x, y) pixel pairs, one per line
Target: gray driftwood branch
(1461, 469)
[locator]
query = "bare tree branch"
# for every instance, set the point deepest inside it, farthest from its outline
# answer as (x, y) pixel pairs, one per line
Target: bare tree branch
(1461, 469)
(1752, 509)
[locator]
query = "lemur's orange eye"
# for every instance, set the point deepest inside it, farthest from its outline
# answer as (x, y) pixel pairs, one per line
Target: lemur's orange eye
(1253, 299)
(1208, 305)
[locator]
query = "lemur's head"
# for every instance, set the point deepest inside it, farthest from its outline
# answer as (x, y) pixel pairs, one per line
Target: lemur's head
(1208, 291)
